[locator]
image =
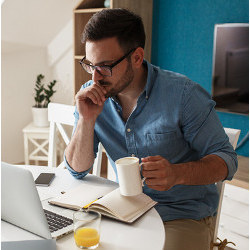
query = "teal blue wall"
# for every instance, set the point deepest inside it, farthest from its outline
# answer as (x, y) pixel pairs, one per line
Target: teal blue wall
(183, 42)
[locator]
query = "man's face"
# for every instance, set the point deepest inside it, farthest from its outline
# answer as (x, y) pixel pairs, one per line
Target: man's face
(106, 52)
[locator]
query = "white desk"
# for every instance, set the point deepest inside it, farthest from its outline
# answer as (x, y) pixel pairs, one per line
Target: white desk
(146, 233)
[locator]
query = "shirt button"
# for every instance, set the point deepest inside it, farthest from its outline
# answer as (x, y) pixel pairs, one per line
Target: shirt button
(129, 130)
(133, 155)
(146, 97)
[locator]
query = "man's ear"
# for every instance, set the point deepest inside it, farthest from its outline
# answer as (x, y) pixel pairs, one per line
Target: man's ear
(138, 57)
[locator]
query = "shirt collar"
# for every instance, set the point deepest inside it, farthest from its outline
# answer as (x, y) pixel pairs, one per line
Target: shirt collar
(150, 78)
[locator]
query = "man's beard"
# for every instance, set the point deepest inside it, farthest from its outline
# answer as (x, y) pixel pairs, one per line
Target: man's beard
(123, 83)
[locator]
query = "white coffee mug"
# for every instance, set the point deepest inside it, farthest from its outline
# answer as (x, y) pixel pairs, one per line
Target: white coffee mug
(128, 170)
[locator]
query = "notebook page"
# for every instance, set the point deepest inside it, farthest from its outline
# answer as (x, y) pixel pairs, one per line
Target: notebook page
(126, 207)
(81, 196)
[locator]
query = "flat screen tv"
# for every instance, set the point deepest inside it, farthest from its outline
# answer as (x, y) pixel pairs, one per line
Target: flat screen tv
(230, 81)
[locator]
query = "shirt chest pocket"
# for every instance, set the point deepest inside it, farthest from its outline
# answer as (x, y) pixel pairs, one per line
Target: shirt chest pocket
(165, 144)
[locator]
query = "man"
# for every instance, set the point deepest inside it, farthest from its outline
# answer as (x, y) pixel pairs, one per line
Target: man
(163, 118)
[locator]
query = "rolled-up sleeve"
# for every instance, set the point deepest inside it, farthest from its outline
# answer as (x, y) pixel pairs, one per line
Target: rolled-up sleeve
(202, 128)
(77, 175)
(232, 164)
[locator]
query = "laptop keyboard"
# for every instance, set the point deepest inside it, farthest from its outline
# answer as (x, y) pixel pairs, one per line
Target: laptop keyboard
(56, 221)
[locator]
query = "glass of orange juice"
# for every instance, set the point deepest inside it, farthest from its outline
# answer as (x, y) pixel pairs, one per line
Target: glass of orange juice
(87, 229)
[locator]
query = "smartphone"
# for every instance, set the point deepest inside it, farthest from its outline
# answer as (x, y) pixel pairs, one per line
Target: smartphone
(44, 179)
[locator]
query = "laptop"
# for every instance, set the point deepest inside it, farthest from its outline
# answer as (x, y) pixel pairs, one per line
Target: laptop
(22, 207)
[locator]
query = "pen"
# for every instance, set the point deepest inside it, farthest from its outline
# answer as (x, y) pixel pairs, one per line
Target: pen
(86, 206)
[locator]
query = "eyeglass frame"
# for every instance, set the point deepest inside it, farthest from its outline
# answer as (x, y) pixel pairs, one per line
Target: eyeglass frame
(110, 67)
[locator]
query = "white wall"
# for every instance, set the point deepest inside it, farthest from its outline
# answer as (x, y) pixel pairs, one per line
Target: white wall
(20, 66)
(60, 61)
(32, 45)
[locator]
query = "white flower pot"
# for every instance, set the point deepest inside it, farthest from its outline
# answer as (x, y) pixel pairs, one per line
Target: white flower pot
(40, 117)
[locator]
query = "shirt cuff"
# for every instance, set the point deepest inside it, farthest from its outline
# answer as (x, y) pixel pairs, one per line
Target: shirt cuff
(232, 164)
(77, 175)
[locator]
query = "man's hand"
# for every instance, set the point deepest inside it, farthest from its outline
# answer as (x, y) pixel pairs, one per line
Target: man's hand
(90, 101)
(160, 174)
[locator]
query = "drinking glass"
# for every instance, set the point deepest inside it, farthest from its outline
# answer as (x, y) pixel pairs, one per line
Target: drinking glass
(87, 229)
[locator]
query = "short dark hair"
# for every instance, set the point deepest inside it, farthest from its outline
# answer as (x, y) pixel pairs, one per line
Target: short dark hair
(123, 24)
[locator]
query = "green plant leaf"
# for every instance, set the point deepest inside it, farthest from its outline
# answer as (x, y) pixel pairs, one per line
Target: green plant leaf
(43, 94)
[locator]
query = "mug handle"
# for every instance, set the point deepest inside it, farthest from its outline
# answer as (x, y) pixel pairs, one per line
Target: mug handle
(144, 178)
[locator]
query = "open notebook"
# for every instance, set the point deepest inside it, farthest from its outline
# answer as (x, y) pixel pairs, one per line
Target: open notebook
(107, 201)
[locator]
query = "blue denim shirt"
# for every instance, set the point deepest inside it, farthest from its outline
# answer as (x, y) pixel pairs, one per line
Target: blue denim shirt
(174, 118)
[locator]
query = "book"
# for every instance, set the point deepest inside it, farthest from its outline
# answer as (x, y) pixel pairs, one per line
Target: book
(106, 200)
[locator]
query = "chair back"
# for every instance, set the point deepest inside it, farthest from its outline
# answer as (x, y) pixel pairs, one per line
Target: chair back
(58, 115)
(233, 135)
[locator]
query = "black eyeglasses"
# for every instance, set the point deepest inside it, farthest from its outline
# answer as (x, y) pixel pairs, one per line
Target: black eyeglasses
(105, 70)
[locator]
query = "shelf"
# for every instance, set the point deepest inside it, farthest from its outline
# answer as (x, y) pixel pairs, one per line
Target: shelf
(78, 57)
(80, 20)
(94, 10)
(81, 76)
(90, 4)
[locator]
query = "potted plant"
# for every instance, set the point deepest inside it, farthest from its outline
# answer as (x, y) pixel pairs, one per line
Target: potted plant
(42, 99)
